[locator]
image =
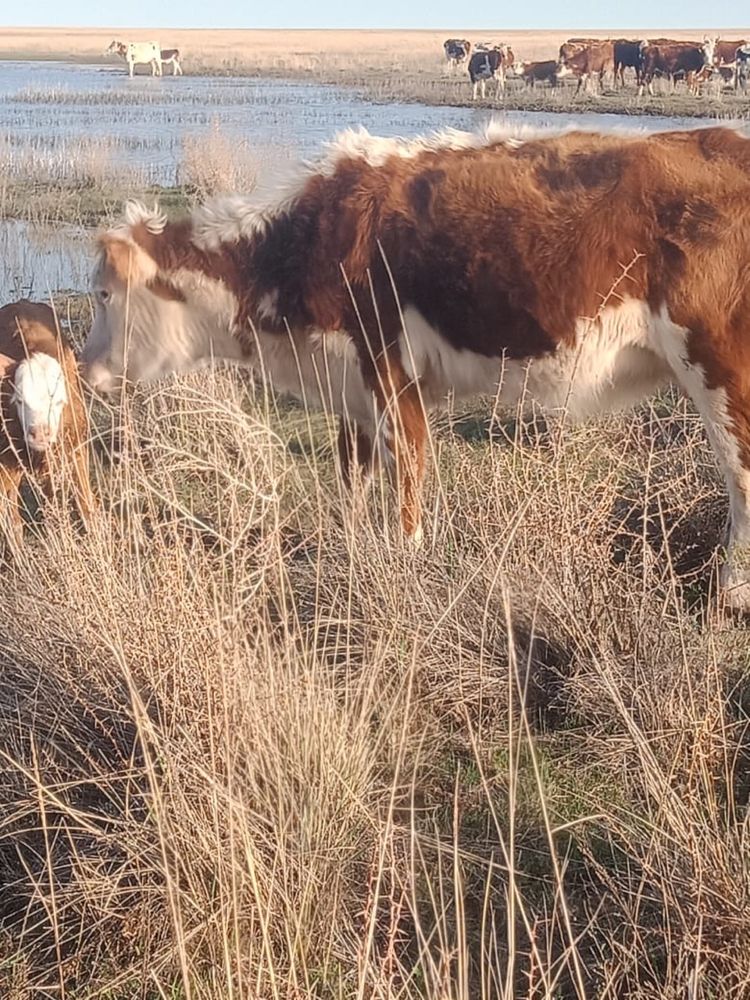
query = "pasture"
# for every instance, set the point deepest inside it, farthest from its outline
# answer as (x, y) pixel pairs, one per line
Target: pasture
(254, 744)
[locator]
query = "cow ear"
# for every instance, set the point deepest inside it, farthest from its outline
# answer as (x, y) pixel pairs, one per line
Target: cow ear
(130, 263)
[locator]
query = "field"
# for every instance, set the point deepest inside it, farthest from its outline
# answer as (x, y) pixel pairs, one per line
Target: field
(254, 745)
(384, 66)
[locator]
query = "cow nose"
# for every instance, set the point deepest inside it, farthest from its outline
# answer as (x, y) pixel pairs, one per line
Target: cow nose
(99, 378)
(39, 437)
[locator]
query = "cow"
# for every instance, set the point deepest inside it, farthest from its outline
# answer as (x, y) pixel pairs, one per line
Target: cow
(725, 55)
(628, 55)
(137, 52)
(539, 72)
(673, 59)
(389, 276)
(171, 56)
(44, 427)
(456, 51)
(492, 64)
(591, 60)
(742, 73)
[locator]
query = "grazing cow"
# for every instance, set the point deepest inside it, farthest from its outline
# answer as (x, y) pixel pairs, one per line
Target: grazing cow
(492, 64)
(137, 52)
(725, 55)
(582, 270)
(456, 51)
(629, 55)
(743, 68)
(43, 416)
(539, 72)
(171, 56)
(674, 59)
(591, 60)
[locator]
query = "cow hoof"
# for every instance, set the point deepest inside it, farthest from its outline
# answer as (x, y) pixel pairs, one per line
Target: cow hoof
(735, 587)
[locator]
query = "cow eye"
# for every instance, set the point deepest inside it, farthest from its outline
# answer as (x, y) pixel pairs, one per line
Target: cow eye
(103, 295)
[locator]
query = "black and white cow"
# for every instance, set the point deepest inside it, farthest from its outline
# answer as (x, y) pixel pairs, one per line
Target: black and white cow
(490, 64)
(456, 51)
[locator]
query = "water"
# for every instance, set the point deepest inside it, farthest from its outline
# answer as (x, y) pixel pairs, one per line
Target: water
(49, 112)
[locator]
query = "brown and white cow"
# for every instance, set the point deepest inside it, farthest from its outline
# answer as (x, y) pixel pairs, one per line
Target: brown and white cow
(582, 270)
(725, 55)
(172, 57)
(675, 59)
(595, 59)
(539, 72)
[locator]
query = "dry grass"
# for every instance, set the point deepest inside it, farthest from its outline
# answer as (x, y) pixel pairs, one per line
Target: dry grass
(252, 745)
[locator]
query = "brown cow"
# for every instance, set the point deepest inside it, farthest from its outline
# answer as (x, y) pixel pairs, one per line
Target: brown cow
(673, 59)
(539, 72)
(596, 58)
(43, 418)
(725, 56)
(391, 275)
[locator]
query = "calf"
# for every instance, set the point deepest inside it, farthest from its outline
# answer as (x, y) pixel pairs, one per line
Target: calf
(456, 51)
(392, 275)
(539, 72)
(629, 55)
(595, 59)
(44, 419)
(172, 56)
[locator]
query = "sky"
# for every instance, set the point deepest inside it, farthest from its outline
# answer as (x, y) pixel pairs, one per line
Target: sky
(635, 14)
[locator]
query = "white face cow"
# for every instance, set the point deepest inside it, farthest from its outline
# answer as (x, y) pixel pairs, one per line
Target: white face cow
(39, 395)
(143, 330)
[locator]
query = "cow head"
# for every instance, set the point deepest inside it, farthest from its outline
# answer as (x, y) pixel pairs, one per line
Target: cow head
(708, 48)
(39, 395)
(154, 318)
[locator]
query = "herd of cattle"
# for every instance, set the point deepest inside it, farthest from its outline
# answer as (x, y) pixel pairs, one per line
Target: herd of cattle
(589, 59)
(146, 53)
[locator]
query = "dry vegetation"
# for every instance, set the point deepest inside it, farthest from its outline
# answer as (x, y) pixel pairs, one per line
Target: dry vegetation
(252, 745)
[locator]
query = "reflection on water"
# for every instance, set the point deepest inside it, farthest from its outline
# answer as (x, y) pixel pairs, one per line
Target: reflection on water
(38, 260)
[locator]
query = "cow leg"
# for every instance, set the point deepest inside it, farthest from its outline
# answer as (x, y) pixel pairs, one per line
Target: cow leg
(83, 495)
(476, 86)
(355, 452)
(11, 522)
(725, 411)
(405, 437)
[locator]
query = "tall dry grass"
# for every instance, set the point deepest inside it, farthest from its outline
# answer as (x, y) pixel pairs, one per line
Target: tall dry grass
(254, 745)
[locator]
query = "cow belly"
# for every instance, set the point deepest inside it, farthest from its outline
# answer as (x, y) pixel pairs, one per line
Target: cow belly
(611, 365)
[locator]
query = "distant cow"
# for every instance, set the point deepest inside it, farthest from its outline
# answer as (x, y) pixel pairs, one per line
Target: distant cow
(137, 52)
(539, 72)
(675, 59)
(593, 59)
(456, 51)
(629, 55)
(492, 64)
(742, 74)
(172, 56)
(725, 53)
(580, 270)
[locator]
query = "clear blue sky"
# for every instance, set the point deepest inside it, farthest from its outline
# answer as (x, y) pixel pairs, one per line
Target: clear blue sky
(606, 14)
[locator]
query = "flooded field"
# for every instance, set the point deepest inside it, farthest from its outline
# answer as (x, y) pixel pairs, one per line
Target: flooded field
(89, 124)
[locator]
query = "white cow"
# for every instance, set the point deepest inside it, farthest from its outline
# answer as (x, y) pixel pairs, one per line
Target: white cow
(137, 52)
